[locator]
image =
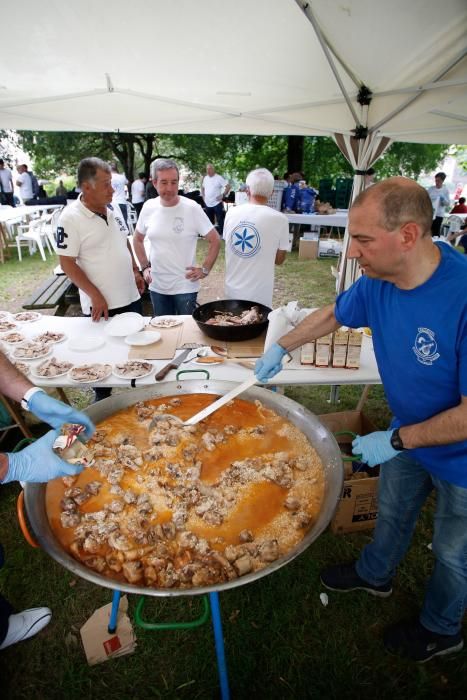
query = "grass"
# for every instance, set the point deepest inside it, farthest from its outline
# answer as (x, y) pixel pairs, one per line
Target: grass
(280, 640)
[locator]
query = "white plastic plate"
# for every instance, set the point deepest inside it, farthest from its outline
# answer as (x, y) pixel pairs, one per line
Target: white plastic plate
(125, 324)
(86, 343)
(135, 375)
(143, 338)
(166, 321)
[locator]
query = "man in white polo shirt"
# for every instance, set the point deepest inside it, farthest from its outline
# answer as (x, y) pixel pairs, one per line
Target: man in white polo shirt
(94, 250)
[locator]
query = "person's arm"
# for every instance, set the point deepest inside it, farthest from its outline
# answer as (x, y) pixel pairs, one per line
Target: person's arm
(443, 429)
(79, 277)
(12, 382)
(139, 279)
(280, 257)
(140, 252)
(196, 273)
(227, 189)
(315, 325)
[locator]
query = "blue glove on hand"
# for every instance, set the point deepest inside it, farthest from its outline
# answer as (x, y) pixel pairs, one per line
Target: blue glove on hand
(38, 462)
(56, 413)
(374, 448)
(270, 363)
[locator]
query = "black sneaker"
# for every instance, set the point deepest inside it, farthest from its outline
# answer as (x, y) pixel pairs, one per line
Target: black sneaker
(344, 578)
(412, 640)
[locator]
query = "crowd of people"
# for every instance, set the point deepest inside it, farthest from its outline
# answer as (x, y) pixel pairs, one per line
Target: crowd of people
(411, 295)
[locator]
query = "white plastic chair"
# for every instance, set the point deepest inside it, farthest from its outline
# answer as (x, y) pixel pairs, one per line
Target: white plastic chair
(49, 229)
(33, 235)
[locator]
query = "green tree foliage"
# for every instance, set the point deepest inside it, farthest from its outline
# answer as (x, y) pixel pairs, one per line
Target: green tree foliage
(410, 159)
(234, 155)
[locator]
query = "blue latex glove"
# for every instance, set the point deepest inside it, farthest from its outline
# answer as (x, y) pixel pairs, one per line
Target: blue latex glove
(38, 462)
(56, 413)
(270, 363)
(374, 448)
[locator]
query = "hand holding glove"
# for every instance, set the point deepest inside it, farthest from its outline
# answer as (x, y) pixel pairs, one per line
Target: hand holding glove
(38, 462)
(56, 413)
(270, 363)
(375, 448)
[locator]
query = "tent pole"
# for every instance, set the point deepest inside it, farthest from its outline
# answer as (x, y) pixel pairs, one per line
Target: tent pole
(412, 99)
(310, 16)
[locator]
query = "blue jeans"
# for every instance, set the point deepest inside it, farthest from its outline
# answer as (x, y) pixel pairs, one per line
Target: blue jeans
(173, 304)
(217, 213)
(403, 488)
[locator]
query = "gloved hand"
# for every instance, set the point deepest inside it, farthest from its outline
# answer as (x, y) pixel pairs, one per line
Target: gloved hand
(38, 462)
(270, 363)
(374, 448)
(56, 413)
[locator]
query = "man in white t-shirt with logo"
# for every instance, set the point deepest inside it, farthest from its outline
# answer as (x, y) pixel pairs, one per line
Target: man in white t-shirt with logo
(213, 190)
(94, 250)
(138, 189)
(256, 239)
(119, 183)
(172, 225)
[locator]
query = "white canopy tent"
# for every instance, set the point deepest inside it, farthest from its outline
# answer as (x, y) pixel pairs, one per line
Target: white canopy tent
(389, 70)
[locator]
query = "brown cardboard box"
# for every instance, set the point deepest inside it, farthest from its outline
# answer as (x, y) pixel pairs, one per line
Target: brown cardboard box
(358, 506)
(339, 348)
(354, 349)
(307, 353)
(308, 250)
(323, 351)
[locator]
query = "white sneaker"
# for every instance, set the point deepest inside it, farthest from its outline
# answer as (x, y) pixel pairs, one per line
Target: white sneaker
(26, 624)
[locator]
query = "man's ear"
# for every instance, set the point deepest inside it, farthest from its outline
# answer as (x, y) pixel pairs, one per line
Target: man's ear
(410, 234)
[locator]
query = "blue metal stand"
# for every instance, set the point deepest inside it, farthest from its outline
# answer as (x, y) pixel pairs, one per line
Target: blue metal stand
(219, 643)
(112, 628)
(218, 637)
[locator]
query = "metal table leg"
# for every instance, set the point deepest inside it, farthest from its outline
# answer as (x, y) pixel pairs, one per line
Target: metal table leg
(334, 394)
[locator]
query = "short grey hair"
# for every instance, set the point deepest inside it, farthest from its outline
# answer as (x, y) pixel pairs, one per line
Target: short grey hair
(260, 182)
(163, 164)
(88, 167)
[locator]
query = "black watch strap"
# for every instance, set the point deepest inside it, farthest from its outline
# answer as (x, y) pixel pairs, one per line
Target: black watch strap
(396, 440)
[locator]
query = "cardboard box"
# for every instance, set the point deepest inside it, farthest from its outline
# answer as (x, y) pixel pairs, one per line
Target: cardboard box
(323, 351)
(308, 250)
(339, 348)
(358, 506)
(307, 353)
(354, 349)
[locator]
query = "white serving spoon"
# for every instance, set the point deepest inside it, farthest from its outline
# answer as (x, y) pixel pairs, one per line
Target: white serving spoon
(221, 402)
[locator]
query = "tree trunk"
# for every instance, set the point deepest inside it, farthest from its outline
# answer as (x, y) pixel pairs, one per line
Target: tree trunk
(295, 145)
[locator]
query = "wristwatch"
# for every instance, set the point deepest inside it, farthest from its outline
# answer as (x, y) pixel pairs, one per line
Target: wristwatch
(205, 271)
(396, 440)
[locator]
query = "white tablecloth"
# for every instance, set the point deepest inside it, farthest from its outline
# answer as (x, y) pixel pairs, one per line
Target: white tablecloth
(337, 219)
(115, 350)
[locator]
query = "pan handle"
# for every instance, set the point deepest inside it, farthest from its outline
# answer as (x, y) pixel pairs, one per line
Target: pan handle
(22, 520)
(192, 371)
(349, 458)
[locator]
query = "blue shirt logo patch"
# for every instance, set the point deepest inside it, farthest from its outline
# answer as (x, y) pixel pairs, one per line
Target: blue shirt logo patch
(245, 241)
(426, 347)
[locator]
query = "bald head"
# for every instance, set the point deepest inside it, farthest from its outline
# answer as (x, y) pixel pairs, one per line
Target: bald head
(399, 200)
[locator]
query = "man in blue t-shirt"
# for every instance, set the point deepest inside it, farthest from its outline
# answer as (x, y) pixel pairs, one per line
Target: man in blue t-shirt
(413, 296)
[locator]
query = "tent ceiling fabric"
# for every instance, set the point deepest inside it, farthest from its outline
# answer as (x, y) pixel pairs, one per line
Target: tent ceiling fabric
(246, 68)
